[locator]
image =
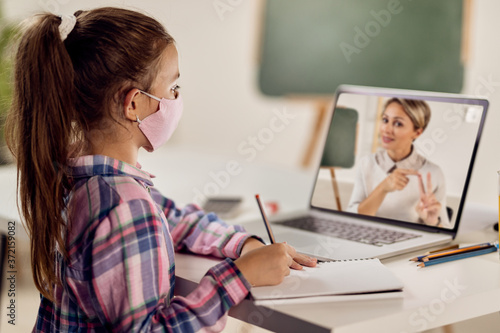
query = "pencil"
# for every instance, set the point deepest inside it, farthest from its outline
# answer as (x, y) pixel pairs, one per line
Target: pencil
(266, 222)
(459, 256)
(459, 250)
(268, 226)
(441, 251)
(425, 259)
(451, 247)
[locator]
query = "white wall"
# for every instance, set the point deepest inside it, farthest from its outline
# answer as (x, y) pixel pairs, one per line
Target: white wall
(218, 77)
(485, 67)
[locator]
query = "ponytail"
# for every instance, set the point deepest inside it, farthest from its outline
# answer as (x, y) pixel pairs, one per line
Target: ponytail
(39, 131)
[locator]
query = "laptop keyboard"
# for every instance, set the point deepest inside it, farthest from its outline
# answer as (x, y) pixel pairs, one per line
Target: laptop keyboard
(354, 232)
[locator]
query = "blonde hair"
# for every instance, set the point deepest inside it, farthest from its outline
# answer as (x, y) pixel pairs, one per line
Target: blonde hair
(418, 110)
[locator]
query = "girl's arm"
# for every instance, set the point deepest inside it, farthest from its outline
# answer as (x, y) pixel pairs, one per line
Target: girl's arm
(133, 273)
(192, 229)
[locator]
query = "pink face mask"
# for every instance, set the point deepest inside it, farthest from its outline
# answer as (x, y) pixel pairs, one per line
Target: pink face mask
(159, 126)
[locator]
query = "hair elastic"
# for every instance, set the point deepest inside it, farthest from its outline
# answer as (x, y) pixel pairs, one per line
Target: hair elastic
(68, 22)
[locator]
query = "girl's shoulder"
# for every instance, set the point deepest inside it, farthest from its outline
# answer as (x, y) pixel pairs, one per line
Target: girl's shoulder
(103, 193)
(127, 187)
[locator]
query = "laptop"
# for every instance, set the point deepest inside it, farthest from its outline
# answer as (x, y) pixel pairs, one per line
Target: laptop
(358, 149)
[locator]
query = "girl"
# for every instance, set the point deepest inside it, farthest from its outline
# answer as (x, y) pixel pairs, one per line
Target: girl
(90, 90)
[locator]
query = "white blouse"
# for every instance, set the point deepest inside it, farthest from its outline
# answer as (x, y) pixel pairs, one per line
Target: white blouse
(398, 205)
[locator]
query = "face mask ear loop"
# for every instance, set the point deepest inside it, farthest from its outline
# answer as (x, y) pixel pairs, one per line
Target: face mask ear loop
(149, 95)
(137, 119)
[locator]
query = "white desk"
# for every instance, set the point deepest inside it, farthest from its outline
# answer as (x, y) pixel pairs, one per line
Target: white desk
(432, 297)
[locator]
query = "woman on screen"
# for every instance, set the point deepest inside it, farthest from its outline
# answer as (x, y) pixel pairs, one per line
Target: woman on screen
(396, 182)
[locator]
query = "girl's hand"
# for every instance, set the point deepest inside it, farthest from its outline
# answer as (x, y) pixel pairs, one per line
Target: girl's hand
(268, 265)
(429, 207)
(299, 259)
(397, 180)
(251, 244)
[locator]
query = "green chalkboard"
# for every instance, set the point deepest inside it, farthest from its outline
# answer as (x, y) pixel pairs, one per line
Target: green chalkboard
(311, 47)
(342, 130)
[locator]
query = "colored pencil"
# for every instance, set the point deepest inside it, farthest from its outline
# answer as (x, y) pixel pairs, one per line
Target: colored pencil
(419, 258)
(451, 247)
(459, 256)
(427, 258)
(459, 250)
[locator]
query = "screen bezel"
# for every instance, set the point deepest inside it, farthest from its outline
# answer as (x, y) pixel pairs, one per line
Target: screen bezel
(409, 94)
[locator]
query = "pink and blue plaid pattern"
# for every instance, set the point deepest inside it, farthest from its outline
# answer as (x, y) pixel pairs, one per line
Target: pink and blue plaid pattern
(120, 274)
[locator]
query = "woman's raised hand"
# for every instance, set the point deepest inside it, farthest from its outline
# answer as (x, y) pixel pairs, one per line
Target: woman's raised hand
(398, 179)
(428, 208)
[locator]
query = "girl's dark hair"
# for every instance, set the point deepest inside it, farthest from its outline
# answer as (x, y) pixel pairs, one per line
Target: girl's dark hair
(63, 90)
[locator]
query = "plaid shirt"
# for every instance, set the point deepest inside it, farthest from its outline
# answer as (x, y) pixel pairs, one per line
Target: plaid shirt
(120, 274)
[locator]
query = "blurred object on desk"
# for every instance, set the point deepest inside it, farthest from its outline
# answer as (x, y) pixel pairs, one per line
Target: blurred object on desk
(224, 207)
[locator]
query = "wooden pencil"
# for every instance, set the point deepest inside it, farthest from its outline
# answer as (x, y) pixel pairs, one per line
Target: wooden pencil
(452, 252)
(451, 247)
(459, 256)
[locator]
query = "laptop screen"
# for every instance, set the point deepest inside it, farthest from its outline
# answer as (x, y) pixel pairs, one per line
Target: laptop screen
(399, 156)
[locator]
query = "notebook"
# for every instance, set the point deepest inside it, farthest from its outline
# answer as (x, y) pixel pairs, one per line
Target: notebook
(355, 158)
(346, 277)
